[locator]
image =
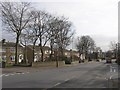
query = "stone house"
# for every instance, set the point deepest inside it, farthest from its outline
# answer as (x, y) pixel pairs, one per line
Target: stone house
(37, 53)
(74, 55)
(7, 51)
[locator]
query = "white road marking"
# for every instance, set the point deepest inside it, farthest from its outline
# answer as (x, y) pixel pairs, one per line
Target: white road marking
(113, 75)
(114, 70)
(6, 75)
(57, 84)
(12, 74)
(3, 74)
(67, 80)
(110, 70)
(22, 73)
(106, 78)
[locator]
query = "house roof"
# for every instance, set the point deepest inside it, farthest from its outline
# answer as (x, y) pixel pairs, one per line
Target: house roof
(38, 47)
(9, 44)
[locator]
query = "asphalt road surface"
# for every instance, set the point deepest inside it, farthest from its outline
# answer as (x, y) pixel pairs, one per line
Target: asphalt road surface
(83, 75)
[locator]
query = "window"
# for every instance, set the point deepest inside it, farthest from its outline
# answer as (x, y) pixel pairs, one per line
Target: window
(12, 58)
(66, 54)
(12, 49)
(3, 58)
(45, 52)
(50, 51)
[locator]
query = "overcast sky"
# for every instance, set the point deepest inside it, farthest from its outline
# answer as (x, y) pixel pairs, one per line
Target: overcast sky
(97, 18)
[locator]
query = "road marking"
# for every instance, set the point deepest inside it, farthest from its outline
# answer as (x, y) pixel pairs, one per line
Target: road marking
(113, 75)
(57, 84)
(12, 74)
(106, 78)
(3, 74)
(110, 77)
(67, 80)
(112, 69)
(6, 75)
(22, 73)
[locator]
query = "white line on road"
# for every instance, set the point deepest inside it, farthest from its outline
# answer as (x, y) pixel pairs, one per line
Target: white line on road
(106, 78)
(57, 84)
(113, 75)
(6, 75)
(12, 74)
(67, 80)
(3, 74)
(22, 73)
(18, 73)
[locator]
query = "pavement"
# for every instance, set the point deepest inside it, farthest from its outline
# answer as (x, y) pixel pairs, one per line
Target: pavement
(83, 75)
(15, 69)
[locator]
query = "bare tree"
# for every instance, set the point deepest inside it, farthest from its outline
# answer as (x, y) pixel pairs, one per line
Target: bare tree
(114, 48)
(85, 44)
(32, 40)
(61, 33)
(41, 29)
(51, 34)
(15, 16)
(25, 40)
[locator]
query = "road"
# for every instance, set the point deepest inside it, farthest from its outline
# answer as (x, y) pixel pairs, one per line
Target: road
(83, 75)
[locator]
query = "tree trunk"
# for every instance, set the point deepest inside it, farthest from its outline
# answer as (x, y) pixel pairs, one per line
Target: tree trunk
(25, 55)
(16, 49)
(33, 52)
(41, 48)
(42, 54)
(51, 52)
(79, 56)
(34, 49)
(51, 47)
(61, 53)
(86, 55)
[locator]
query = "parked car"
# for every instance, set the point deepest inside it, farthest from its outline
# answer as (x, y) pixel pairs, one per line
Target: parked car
(108, 60)
(97, 60)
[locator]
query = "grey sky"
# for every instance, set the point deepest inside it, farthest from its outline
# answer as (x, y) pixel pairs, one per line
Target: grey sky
(97, 18)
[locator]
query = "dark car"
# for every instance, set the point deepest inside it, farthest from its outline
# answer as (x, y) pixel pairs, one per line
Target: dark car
(97, 60)
(108, 60)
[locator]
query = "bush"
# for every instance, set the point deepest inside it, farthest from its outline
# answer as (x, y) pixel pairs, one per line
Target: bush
(23, 65)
